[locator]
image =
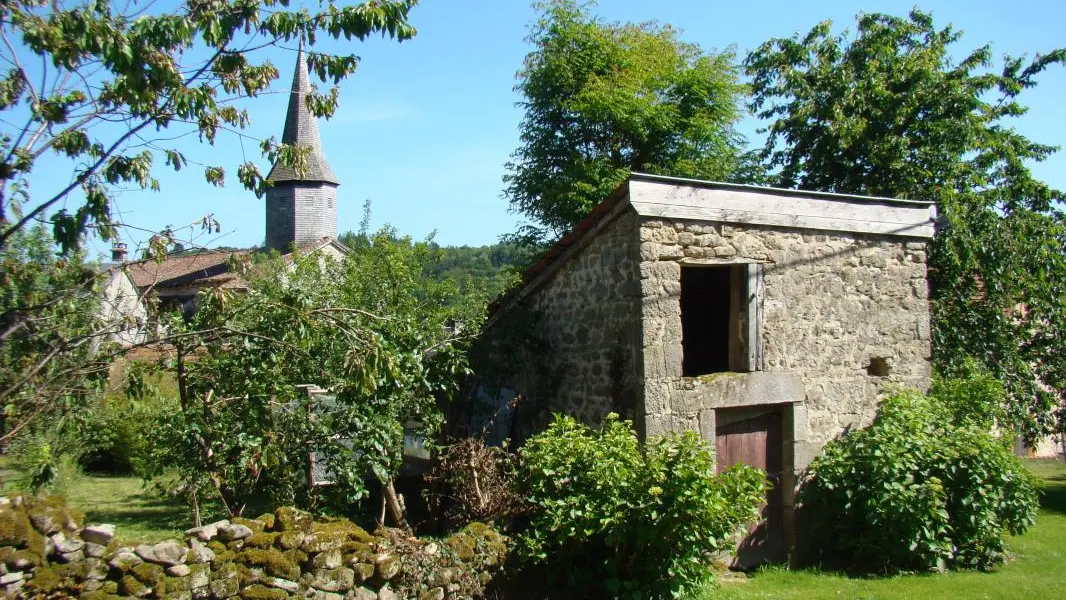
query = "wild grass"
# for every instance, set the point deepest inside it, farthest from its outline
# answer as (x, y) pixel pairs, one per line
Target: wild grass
(1037, 568)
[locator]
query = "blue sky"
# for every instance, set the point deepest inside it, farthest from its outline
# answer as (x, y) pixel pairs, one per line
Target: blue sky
(424, 127)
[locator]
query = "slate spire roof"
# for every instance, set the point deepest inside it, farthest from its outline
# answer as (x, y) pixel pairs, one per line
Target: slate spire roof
(301, 128)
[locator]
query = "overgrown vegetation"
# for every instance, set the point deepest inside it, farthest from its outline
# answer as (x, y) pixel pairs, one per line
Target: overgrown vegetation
(53, 339)
(621, 519)
(927, 486)
(1034, 571)
(384, 342)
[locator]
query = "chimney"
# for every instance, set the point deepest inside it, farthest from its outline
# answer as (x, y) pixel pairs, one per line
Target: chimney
(118, 252)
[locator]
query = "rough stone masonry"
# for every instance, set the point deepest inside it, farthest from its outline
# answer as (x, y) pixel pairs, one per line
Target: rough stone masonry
(690, 305)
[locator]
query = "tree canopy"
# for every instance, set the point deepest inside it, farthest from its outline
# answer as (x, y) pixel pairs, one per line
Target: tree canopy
(887, 111)
(109, 86)
(386, 343)
(604, 99)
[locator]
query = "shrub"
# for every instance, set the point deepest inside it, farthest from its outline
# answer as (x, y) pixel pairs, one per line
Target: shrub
(472, 482)
(925, 487)
(113, 429)
(632, 521)
(45, 461)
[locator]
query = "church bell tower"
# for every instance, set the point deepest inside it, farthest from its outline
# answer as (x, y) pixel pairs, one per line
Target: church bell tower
(300, 210)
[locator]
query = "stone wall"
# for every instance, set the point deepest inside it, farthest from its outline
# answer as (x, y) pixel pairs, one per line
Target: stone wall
(832, 304)
(576, 339)
(46, 552)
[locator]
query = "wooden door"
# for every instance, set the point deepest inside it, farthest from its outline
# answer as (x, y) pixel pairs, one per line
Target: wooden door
(753, 436)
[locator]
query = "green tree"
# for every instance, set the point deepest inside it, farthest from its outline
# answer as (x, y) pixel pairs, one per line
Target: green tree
(888, 112)
(109, 86)
(52, 331)
(386, 343)
(603, 99)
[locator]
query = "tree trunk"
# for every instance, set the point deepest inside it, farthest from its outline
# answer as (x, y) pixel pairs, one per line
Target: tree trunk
(395, 505)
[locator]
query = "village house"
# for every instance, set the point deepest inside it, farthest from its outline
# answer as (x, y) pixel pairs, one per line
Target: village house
(767, 320)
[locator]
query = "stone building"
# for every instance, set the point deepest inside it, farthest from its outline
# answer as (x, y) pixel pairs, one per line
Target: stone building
(767, 320)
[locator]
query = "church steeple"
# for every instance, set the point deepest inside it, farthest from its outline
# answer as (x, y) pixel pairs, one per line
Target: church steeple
(301, 210)
(301, 128)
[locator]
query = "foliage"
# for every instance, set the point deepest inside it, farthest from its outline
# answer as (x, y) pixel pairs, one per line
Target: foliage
(480, 270)
(633, 521)
(109, 87)
(383, 342)
(603, 99)
(919, 489)
(111, 431)
(44, 458)
(51, 331)
(889, 112)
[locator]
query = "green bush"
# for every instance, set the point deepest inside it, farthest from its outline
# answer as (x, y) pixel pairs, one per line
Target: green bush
(622, 520)
(925, 487)
(45, 462)
(113, 431)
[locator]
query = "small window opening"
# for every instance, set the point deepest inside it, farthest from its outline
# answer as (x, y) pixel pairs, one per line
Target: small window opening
(878, 367)
(706, 306)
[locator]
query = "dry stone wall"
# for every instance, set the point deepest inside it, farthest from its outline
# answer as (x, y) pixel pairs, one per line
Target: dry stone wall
(836, 309)
(46, 552)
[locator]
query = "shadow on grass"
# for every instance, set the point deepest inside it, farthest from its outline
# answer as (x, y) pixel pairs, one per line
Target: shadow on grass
(144, 511)
(1053, 494)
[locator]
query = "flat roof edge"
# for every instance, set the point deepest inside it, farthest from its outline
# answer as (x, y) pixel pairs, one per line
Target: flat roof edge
(720, 185)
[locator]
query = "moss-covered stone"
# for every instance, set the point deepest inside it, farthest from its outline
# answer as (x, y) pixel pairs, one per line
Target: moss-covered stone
(223, 557)
(98, 595)
(358, 551)
(324, 540)
(272, 561)
(388, 567)
(262, 592)
(363, 571)
(260, 540)
(21, 560)
(288, 518)
(17, 531)
(462, 546)
(50, 515)
(255, 525)
(147, 573)
(129, 586)
(289, 540)
(267, 519)
(46, 580)
(199, 576)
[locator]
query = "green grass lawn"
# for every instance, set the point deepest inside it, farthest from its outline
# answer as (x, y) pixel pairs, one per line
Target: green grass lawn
(1038, 569)
(138, 514)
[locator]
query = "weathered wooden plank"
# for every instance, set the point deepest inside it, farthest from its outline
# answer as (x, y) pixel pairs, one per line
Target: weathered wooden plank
(827, 213)
(755, 301)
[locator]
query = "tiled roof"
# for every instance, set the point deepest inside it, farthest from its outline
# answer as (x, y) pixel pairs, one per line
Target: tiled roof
(207, 267)
(301, 128)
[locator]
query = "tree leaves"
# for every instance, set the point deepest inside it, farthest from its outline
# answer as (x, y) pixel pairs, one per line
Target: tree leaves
(602, 100)
(149, 69)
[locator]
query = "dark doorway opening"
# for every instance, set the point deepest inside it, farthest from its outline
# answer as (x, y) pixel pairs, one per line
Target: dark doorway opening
(705, 327)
